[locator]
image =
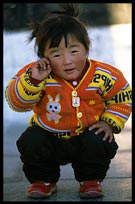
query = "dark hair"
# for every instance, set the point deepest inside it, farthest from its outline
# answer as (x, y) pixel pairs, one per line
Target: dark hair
(58, 24)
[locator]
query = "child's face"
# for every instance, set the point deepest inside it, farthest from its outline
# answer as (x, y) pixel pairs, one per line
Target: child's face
(67, 62)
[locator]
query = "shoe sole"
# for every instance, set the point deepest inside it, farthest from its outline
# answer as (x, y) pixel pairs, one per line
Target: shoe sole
(91, 194)
(40, 194)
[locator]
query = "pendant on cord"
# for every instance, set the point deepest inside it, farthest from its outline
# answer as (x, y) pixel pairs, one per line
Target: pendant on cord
(75, 99)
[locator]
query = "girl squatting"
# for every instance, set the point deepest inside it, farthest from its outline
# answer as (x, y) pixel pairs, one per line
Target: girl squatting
(78, 105)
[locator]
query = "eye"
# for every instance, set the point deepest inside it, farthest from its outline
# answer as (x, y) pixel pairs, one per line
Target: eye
(56, 55)
(50, 106)
(55, 107)
(74, 51)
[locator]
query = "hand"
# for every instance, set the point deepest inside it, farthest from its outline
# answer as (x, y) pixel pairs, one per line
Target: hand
(41, 69)
(103, 126)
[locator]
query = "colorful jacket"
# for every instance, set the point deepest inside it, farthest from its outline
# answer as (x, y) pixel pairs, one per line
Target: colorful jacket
(102, 94)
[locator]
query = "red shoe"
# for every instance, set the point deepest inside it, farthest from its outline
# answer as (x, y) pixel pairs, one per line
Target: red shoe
(90, 189)
(41, 190)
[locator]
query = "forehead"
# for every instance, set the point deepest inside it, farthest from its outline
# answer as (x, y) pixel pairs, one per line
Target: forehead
(65, 41)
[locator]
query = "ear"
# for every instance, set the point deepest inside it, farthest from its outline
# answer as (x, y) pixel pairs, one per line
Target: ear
(50, 98)
(57, 97)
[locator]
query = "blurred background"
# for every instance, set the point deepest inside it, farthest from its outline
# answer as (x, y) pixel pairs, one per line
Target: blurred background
(110, 30)
(16, 15)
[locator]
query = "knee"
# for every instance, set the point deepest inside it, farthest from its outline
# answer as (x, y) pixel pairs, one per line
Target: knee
(90, 138)
(32, 138)
(97, 145)
(34, 145)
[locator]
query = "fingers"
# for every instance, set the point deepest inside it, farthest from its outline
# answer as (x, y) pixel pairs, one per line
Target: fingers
(103, 128)
(97, 125)
(93, 126)
(41, 69)
(43, 63)
(46, 63)
(107, 134)
(99, 130)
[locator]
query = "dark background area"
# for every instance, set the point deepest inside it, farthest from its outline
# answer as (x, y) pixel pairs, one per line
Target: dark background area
(17, 15)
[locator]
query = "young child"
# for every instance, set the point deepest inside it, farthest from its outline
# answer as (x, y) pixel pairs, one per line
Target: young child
(78, 104)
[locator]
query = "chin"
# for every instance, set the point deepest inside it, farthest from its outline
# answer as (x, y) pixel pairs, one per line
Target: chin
(70, 78)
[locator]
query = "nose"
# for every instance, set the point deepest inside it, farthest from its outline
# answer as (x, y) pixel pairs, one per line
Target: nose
(67, 59)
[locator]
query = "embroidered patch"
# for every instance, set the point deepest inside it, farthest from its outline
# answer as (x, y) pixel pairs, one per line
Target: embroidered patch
(92, 102)
(53, 107)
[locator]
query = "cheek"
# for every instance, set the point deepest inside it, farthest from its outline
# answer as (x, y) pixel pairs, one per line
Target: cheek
(80, 62)
(55, 65)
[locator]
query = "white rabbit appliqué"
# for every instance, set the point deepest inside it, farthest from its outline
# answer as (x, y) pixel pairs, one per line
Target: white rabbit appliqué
(53, 107)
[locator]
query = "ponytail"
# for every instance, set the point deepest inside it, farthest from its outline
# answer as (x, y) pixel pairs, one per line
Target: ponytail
(34, 26)
(72, 9)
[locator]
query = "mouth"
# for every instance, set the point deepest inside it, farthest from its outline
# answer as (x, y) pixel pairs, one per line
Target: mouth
(69, 71)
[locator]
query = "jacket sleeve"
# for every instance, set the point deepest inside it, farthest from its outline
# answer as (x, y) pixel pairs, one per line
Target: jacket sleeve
(21, 94)
(118, 103)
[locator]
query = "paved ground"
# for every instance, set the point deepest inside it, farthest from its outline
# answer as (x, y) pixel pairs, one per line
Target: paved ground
(117, 186)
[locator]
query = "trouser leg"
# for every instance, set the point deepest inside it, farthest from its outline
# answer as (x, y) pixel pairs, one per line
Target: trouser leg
(37, 149)
(95, 156)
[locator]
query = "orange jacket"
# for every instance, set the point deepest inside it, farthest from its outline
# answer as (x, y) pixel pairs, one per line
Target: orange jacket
(102, 94)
